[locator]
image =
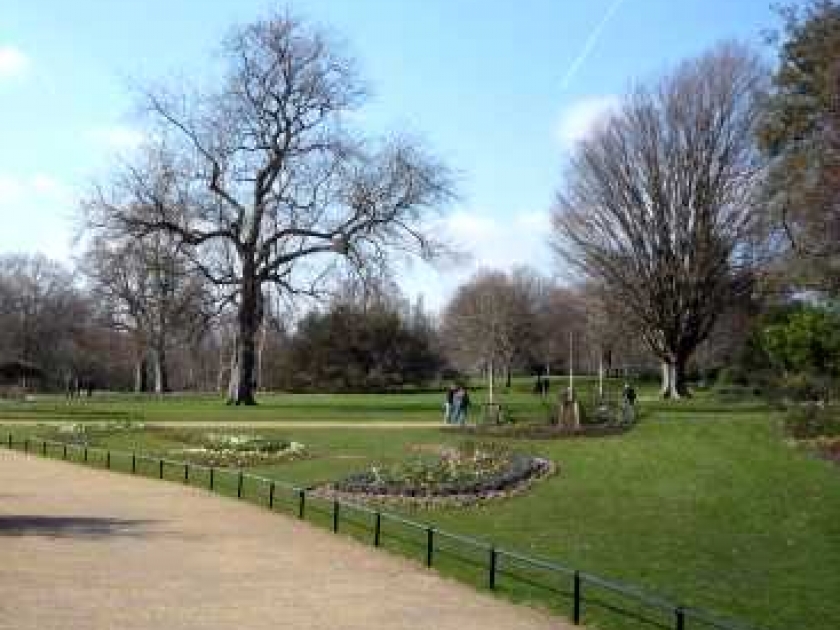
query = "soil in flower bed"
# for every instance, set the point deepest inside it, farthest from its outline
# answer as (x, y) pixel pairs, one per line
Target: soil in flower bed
(451, 475)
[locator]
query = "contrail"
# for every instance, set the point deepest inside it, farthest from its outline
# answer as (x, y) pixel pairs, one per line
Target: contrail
(590, 43)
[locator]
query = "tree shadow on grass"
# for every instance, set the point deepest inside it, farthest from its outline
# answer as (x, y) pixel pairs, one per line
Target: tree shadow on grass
(71, 526)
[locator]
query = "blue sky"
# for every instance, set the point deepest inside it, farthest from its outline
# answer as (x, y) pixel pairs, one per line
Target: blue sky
(499, 89)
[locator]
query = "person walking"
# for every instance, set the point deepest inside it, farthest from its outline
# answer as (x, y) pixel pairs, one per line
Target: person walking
(461, 405)
(629, 409)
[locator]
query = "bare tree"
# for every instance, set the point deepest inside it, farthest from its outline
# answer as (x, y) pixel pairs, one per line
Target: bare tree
(658, 201)
(46, 320)
(487, 322)
(268, 185)
(557, 314)
(148, 290)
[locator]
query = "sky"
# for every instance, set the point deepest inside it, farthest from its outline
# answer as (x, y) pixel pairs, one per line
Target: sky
(500, 90)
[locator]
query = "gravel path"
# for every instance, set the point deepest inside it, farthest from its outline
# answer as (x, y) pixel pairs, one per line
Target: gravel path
(84, 549)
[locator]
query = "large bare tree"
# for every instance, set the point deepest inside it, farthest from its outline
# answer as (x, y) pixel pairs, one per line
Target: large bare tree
(272, 188)
(657, 202)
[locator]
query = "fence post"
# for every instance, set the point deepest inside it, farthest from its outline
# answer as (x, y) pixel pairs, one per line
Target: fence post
(491, 574)
(160, 468)
(239, 482)
(680, 615)
(26, 445)
(64, 452)
(377, 530)
(271, 496)
(301, 503)
(10, 440)
(86, 455)
(133, 463)
(576, 611)
(430, 545)
(44, 448)
(335, 515)
(212, 474)
(186, 472)
(108, 460)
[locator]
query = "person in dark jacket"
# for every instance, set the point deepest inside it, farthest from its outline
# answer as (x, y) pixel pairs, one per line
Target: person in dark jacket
(629, 406)
(448, 416)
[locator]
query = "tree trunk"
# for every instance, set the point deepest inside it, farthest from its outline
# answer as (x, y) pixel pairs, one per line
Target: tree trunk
(259, 377)
(141, 382)
(243, 371)
(161, 372)
(680, 377)
(220, 374)
(490, 378)
(233, 371)
(674, 378)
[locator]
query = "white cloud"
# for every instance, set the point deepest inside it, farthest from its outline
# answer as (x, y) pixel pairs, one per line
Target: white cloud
(118, 137)
(488, 242)
(13, 62)
(581, 117)
(47, 186)
(15, 188)
(36, 212)
(502, 243)
(11, 188)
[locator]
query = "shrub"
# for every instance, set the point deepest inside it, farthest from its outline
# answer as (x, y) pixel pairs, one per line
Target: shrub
(812, 420)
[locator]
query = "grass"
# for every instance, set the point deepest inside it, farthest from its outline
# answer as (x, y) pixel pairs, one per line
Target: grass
(406, 407)
(705, 503)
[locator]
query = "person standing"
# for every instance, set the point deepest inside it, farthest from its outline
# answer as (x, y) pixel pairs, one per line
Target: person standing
(448, 416)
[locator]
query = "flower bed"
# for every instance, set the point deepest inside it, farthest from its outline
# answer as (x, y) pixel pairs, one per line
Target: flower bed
(221, 449)
(458, 475)
(86, 434)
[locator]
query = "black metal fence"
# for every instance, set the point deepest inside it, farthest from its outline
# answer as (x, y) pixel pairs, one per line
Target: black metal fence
(484, 562)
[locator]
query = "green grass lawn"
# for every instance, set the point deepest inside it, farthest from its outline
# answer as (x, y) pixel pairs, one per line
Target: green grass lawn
(405, 407)
(704, 502)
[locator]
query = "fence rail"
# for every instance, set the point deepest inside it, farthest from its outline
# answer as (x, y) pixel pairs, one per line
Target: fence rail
(300, 501)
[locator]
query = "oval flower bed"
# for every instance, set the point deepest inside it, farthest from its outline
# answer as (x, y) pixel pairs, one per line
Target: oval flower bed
(453, 475)
(220, 449)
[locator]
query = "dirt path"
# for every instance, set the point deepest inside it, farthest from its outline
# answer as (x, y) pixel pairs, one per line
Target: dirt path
(84, 549)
